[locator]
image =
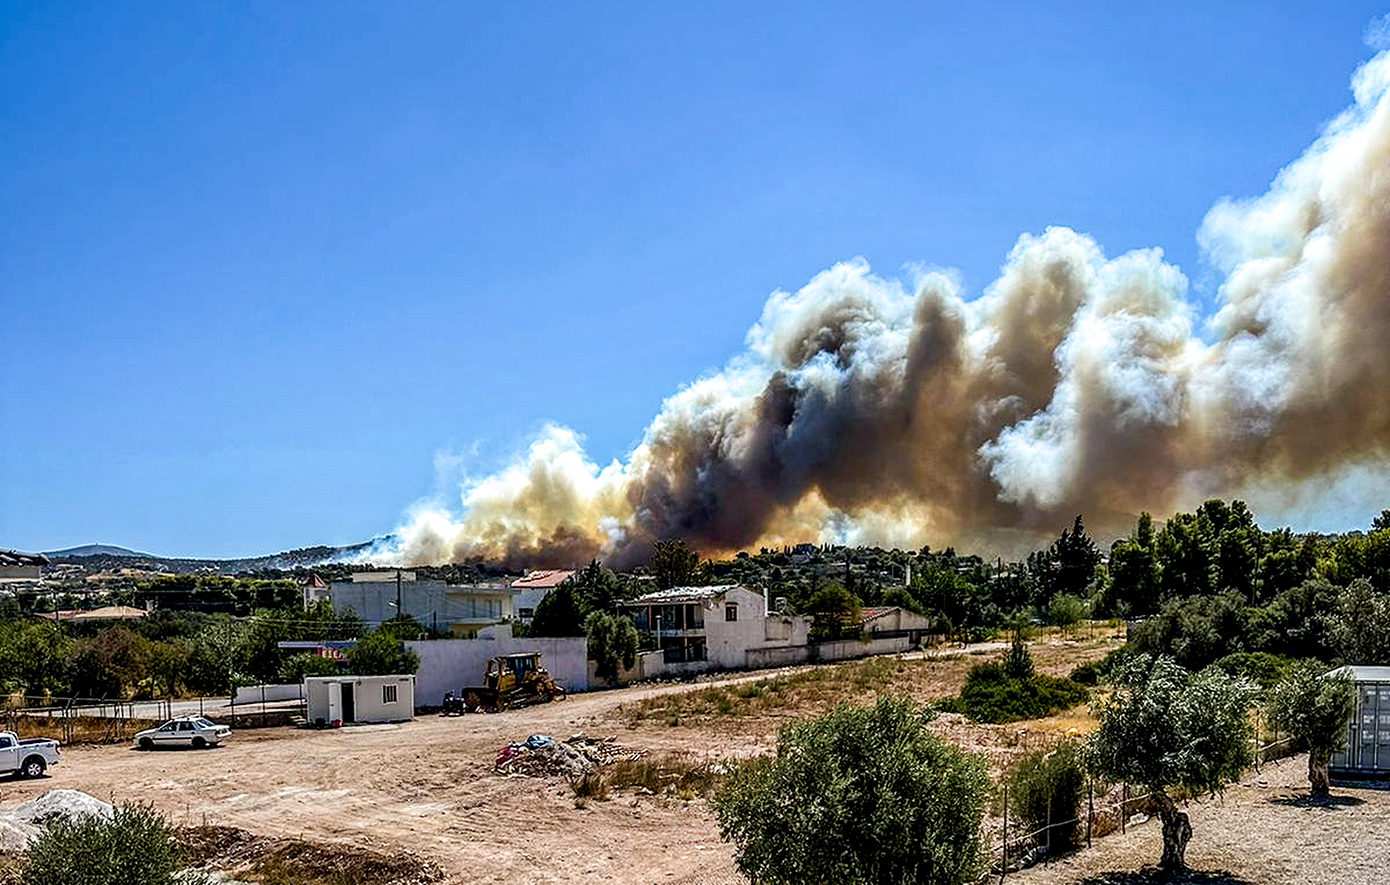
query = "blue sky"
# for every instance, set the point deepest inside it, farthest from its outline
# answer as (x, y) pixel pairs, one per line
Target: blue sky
(262, 263)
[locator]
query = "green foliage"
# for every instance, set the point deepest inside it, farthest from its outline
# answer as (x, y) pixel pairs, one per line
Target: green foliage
(1196, 631)
(1313, 707)
(675, 565)
(559, 613)
(613, 642)
(1066, 610)
(295, 667)
(1018, 661)
(1259, 667)
(835, 612)
(1045, 793)
(991, 695)
(33, 656)
(134, 847)
(380, 654)
(1361, 629)
(1165, 728)
(859, 796)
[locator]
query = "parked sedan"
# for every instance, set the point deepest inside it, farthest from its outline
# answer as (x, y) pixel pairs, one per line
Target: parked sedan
(185, 731)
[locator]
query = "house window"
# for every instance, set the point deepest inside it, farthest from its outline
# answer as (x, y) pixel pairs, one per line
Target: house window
(388, 694)
(527, 614)
(731, 611)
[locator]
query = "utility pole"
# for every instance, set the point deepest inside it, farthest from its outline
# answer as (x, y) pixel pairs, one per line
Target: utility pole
(399, 613)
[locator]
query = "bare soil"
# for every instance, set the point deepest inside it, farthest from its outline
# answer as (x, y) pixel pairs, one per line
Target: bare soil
(424, 793)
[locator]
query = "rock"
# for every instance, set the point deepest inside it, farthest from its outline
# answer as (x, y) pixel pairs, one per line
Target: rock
(16, 836)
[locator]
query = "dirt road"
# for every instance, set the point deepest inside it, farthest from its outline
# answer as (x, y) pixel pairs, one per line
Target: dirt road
(425, 786)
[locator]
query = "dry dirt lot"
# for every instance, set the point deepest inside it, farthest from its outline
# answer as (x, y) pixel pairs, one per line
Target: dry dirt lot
(428, 787)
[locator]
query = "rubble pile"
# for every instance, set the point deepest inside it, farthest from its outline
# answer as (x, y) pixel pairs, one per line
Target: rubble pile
(23, 824)
(542, 756)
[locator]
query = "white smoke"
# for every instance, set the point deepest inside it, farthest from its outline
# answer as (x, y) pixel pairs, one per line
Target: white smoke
(864, 411)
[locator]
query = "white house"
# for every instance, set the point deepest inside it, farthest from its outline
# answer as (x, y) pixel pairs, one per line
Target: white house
(460, 609)
(722, 627)
(528, 592)
(347, 699)
(16, 566)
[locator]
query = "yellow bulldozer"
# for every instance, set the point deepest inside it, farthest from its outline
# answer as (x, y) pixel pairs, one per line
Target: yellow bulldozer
(512, 681)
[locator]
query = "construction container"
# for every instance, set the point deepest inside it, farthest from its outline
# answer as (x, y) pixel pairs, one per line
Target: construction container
(1367, 752)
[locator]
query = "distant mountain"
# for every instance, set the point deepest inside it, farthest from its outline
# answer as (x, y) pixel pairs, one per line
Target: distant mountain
(109, 556)
(96, 550)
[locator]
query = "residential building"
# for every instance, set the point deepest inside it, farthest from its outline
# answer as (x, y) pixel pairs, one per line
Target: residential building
(723, 627)
(106, 613)
(16, 566)
(312, 589)
(528, 592)
(883, 622)
(458, 609)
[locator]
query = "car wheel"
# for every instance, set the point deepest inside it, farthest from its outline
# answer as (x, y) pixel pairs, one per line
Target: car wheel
(34, 767)
(146, 744)
(199, 743)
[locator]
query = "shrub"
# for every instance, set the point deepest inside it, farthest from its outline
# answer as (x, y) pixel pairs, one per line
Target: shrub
(860, 796)
(134, 847)
(1261, 668)
(1018, 662)
(991, 695)
(1045, 792)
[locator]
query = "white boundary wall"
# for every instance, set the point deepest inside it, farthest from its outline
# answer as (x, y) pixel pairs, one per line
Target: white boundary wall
(450, 664)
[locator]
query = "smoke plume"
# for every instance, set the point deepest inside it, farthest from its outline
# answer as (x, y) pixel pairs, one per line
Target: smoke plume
(865, 411)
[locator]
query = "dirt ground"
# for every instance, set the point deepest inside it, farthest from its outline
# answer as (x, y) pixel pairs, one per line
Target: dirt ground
(428, 788)
(1258, 832)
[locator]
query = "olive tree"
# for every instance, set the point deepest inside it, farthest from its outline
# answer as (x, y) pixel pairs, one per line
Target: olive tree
(861, 796)
(1166, 729)
(1314, 707)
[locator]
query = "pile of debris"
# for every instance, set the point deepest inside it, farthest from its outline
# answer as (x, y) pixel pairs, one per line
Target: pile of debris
(23, 824)
(540, 755)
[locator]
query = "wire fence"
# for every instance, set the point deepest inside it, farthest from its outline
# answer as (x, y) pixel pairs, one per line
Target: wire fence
(1117, 806)
(107, 720)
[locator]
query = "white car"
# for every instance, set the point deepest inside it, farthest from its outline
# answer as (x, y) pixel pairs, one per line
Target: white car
(185, 731)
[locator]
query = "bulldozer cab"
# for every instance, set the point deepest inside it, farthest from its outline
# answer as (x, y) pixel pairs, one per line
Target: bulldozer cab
(508, 671)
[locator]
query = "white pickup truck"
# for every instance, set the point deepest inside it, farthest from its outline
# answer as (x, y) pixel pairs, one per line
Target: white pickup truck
(29, 757)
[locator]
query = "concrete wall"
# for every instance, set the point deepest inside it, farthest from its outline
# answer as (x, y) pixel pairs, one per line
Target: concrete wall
(254, 694)
(450, 664)
(729, 643)
(763, 658)
(853, 648)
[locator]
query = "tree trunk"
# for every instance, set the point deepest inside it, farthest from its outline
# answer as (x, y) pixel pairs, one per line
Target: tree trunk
(1317, 774)
(1176, 832)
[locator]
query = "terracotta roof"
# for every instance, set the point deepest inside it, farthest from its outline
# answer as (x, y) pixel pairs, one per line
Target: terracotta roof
(869, 612)
(314, 581)
(545, 579)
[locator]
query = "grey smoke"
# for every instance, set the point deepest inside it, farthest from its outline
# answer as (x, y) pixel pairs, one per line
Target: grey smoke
(865, 410)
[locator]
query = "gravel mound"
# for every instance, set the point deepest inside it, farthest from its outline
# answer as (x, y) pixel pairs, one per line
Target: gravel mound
(59, 803)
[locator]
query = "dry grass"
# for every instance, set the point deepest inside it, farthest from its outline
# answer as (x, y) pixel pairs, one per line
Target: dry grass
(299, 862)
(812, 691)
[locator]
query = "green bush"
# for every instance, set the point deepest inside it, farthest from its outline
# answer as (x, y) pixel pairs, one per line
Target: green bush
(133, 847)
(991, 695)
(1086, 674)
(1261, 668)
(859, 796)
(1045, 793)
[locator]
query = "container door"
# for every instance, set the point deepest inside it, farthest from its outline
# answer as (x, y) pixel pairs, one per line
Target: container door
(349, 698)
(1383, 727)
(335, 702)
(1366, 722)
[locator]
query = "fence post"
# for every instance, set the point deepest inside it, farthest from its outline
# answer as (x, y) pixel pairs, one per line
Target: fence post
(1124, 804)
(1047, 839)
(1004, 849)
(1090, 808)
